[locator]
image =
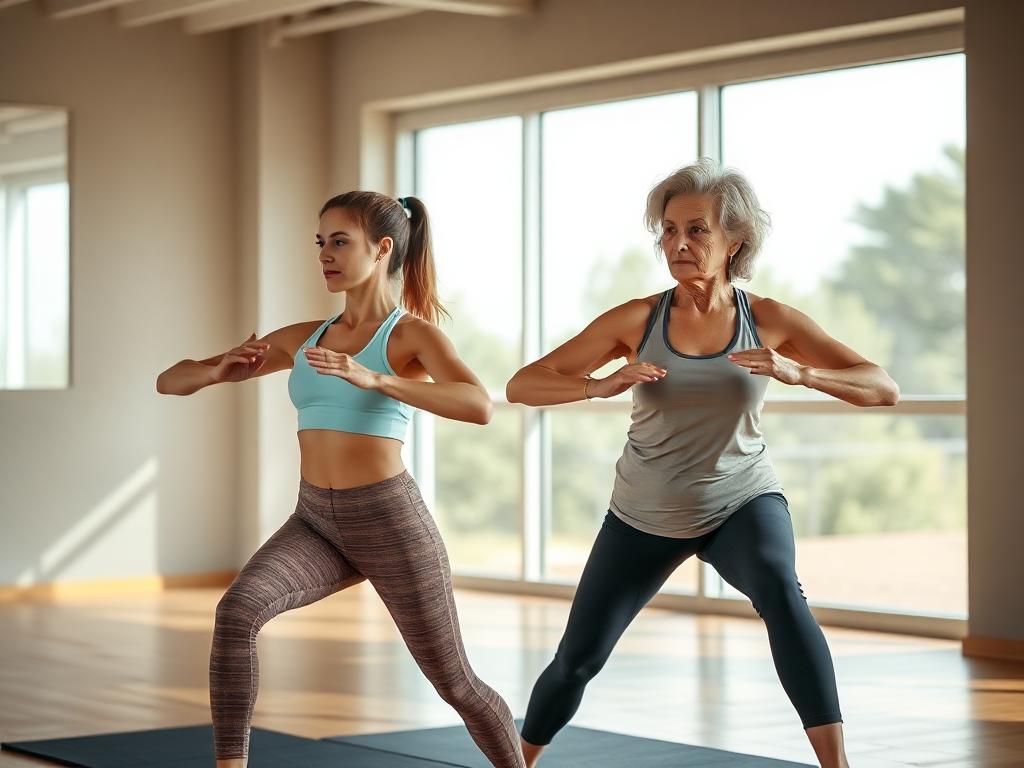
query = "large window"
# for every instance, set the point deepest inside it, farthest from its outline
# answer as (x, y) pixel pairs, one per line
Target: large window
(862, 171)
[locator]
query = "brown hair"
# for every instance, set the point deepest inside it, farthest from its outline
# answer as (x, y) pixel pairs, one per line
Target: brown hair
(381, 216)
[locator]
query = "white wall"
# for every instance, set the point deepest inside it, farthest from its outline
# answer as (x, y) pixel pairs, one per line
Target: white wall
(108, 479)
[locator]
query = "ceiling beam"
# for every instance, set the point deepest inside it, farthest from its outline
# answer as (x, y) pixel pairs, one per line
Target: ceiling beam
(249, 12)
(327, 22)
(477, 7)
(66, 9)
(151, 11)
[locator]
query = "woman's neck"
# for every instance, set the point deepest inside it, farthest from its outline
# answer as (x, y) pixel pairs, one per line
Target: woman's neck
(704, 295)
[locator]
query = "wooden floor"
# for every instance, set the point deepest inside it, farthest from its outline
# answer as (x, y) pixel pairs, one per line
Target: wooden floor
(80, 667)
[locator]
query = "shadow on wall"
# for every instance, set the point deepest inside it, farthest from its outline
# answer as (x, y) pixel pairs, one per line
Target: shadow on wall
(126, 519)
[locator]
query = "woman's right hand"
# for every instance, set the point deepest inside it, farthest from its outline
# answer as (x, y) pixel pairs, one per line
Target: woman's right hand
(240, 363)
(624, 378)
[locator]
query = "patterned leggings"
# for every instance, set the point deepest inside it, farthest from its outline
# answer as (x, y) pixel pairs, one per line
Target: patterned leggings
(336, 538)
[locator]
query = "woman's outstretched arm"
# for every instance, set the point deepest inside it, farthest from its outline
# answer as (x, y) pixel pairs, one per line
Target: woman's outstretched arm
(805, 354)
(253, 357)
(561, 375)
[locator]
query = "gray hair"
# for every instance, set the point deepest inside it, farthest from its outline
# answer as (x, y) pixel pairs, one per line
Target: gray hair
(739, 212)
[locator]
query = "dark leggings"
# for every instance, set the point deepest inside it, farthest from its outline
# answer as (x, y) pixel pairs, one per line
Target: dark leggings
(753, 550)
(381, 532)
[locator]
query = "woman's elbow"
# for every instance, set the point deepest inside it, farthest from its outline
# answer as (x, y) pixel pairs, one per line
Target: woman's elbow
(512, 390)
(891, 395)
(486, 411)
(888, 393)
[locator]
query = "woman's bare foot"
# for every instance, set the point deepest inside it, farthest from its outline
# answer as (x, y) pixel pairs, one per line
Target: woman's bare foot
(531, 752)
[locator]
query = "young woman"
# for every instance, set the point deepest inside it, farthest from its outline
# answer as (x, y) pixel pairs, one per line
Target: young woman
(694, 477)
(355, 379)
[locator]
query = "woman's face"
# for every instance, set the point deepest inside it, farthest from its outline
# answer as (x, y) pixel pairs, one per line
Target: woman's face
(695, 245)
(347, 256)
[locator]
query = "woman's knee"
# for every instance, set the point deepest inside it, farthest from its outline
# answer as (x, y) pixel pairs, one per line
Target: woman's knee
(580, 667)
(238, 609)
(464, 693)
(776, 590)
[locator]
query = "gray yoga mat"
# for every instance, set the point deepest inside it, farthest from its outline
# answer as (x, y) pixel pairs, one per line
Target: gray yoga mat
(192, 747)
(574, 747)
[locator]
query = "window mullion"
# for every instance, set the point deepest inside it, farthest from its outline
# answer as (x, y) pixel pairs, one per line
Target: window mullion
(535, 493)
(709, 144)
(709, 119)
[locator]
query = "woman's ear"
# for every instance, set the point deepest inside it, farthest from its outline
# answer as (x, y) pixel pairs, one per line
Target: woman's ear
(384, 247)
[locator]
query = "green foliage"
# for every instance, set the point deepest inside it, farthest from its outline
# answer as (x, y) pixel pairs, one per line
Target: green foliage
(911, 274)
(477, 474)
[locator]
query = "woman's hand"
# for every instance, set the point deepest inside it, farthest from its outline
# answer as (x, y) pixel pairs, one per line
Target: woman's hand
(241, 362)
(765, 361)
(624, 378)
(341, 365)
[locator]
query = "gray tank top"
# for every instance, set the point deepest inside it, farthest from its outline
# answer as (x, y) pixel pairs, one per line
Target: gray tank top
(694, 452)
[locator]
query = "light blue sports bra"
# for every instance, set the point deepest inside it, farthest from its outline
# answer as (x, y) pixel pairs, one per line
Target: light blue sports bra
(330, 402)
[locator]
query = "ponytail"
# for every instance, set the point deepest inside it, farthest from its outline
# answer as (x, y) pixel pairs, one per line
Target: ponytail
(419, 276)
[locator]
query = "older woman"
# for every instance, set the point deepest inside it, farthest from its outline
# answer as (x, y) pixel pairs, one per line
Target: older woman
(694, 477)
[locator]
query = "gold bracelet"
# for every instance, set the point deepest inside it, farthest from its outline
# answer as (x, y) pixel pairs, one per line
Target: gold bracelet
(586, 381)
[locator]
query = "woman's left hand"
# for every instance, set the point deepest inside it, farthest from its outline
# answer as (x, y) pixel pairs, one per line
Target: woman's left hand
(765, 361)
(341, 365)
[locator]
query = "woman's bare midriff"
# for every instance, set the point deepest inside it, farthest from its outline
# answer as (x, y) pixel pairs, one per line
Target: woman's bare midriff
(333, 459)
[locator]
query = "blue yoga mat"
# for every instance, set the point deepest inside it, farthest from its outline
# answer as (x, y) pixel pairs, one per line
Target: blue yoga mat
(192, 747)
(573, 747)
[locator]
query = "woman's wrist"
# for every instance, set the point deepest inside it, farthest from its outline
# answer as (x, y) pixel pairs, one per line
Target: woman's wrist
(805, 376)
(587, 381)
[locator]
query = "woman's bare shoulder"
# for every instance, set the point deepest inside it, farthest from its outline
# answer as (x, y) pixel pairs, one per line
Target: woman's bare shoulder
(289, 338)
(636, 309)
(766, 308)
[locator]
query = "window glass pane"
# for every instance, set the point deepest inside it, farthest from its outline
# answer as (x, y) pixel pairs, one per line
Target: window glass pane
(478, 470)
(599, 163)
(584, 449)
(879, 506)
(46, 245)
(469, 175)
(864, 181)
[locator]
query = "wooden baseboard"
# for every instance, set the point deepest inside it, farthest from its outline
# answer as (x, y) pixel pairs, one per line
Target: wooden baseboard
(993, 648)
(60, 590)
